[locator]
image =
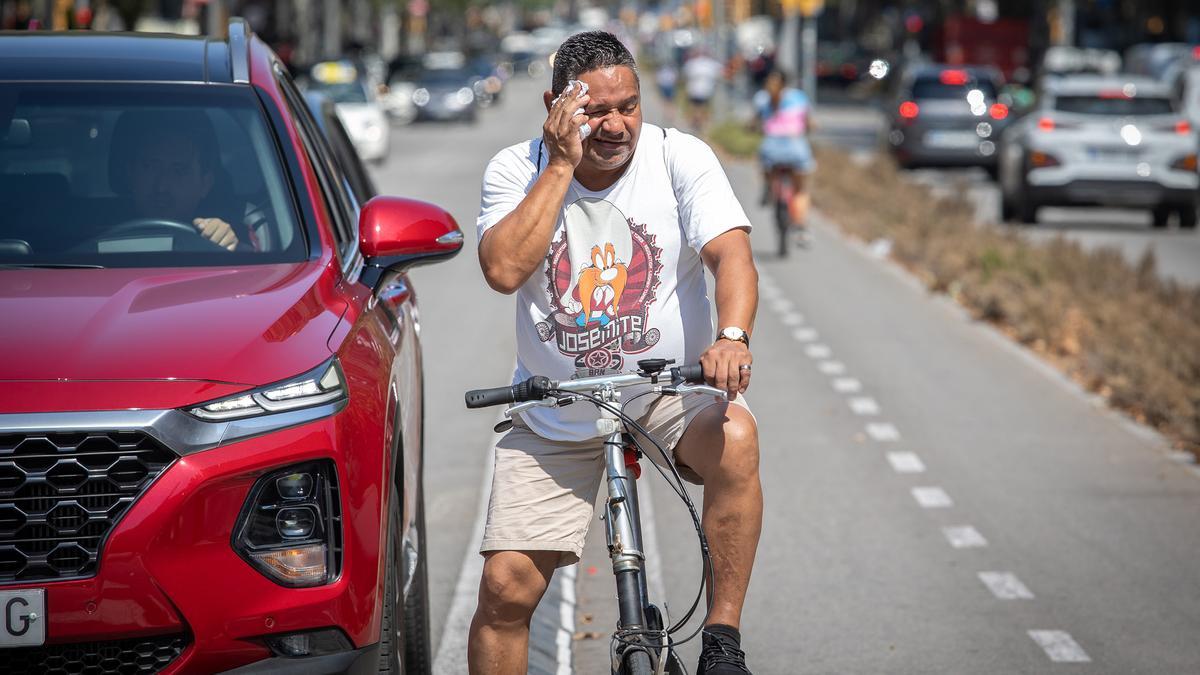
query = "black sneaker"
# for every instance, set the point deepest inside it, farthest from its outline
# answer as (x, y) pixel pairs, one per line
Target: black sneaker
(722, 653)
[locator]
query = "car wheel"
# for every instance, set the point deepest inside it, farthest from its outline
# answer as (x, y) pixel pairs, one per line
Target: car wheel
(1187, 217)
(390, 640)
(1161, 215)
(418, 659)
(1026, 207)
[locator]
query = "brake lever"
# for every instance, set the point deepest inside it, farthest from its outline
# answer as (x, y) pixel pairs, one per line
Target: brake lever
(548, 402)
(686, 388)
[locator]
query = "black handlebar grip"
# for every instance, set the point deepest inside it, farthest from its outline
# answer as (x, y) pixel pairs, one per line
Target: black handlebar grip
(693, 373)
(532, 389)
(482, 398)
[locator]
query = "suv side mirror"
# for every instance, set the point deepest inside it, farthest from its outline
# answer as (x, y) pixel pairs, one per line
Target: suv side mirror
(396, 234)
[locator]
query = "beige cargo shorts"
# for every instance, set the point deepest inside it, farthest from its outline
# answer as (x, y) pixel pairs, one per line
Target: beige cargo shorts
(544, 492)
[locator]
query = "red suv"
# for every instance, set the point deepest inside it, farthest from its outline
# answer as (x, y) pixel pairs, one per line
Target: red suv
(211, 389)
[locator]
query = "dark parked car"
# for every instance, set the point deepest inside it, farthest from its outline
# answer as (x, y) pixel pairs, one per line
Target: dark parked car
(947, 116)
(210, 396)
(446, 94)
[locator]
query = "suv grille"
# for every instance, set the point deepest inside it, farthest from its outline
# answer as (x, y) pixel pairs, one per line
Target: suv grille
(146, 655)
(62, 492)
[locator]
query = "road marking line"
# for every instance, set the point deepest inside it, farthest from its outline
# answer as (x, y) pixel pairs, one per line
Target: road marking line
(1059, 646)
(964, 536)
(792, 319)
(906, 462)
(864, 405)
(932, 497)
(452, 652)
(831, 367)
(884, 432)
(781, 305)
(654, 569)
(847, 385)
(566, 618)
(1005, 586)
(818, 351)
(804, 334)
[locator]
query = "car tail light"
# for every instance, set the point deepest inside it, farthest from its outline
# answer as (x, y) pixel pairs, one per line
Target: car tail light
(1196, 53)
(909, 110)
(849, 71)
(998, 111)
(1046, 124)
(290, 526)
(954, 78)
(1185, 163)
(1183, 128)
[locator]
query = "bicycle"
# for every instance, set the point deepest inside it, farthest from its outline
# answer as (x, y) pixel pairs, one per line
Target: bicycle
(642, 643)
(783, 189)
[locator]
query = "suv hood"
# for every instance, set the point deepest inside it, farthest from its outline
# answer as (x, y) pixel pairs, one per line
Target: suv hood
(239, 325)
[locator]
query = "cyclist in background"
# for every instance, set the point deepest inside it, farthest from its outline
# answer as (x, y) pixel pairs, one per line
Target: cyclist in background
(785, 118)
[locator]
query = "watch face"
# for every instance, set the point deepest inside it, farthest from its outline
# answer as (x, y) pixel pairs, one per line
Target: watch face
(733, 333)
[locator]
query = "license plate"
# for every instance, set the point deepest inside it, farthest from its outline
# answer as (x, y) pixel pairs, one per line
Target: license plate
(951, 139)
(24, 623)
(1114, 154)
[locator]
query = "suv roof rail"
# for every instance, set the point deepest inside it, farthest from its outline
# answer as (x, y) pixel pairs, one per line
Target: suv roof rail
(239, 49)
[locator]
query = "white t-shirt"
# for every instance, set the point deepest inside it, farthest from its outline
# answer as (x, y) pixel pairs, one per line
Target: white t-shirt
(702, 73)
(623, 279)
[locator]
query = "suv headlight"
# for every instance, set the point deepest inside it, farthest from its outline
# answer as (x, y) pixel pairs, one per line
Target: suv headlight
(322, 384)
(290, 528)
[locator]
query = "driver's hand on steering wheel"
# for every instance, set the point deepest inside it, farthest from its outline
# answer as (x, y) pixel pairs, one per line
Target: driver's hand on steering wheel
(217, 231)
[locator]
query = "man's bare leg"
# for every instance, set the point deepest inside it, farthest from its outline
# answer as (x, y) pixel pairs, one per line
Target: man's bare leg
(512, 585)
(721, 445)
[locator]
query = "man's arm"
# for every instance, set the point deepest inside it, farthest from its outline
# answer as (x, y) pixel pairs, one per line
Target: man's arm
(729, 258)
(511, 250)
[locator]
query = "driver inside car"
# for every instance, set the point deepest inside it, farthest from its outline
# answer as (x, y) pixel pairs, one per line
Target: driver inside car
(170, 170)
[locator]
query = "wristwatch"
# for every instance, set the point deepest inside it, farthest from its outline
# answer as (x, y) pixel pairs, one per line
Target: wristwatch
(734, 333)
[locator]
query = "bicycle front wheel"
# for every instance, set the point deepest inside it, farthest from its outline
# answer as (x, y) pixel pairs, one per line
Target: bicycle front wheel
(636, 662)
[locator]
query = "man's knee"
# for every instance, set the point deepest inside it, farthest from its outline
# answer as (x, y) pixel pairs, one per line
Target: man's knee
(512, 585)
(731, 440)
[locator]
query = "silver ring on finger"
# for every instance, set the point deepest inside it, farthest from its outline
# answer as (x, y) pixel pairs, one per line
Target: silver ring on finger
(745, 368)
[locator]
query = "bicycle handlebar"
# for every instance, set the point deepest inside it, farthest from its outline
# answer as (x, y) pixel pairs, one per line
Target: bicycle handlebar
(536, 388)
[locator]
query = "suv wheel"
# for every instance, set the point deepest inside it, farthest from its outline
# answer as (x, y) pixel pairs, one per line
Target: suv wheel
(1187, 217)
(1161, 215)
(390, 640)
(417, 657)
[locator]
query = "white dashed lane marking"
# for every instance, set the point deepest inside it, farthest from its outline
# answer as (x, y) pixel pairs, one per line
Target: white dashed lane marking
(883, 432)
(932, 497)
(818, 351)
(847, 385)
(964, 536)
(781, 305)
(831, 367)
(1059, 646)
(906, 462)
(864, 405)
(1005, 586)
(792, 319)
(804, 334)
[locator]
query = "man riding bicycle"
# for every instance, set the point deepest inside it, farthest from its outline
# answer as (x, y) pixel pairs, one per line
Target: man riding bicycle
(604, 234)
(785, 118)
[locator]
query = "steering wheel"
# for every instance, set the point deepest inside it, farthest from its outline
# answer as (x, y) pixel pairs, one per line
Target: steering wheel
(170, 227)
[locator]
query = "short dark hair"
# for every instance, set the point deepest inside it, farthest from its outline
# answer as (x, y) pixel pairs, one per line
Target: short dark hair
(585, 52)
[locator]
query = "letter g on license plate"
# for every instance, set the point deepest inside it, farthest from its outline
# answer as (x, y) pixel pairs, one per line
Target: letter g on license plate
(23, 623)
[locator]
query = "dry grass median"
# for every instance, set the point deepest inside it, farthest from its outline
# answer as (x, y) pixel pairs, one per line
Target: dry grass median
(1117, 329)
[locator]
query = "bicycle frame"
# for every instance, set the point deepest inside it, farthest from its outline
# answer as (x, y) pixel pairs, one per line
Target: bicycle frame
(622, 517)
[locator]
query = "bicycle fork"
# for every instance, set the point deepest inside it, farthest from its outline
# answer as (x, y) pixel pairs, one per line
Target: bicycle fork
(623, 534)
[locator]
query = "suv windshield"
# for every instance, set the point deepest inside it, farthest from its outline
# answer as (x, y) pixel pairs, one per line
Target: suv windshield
(119, 175)
(1113, 105)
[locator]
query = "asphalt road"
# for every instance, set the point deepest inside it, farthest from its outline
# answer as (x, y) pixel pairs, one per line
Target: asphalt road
(937, 500)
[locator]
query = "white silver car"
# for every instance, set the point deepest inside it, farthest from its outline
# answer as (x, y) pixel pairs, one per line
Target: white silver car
(358, 105)
(1101, 141)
